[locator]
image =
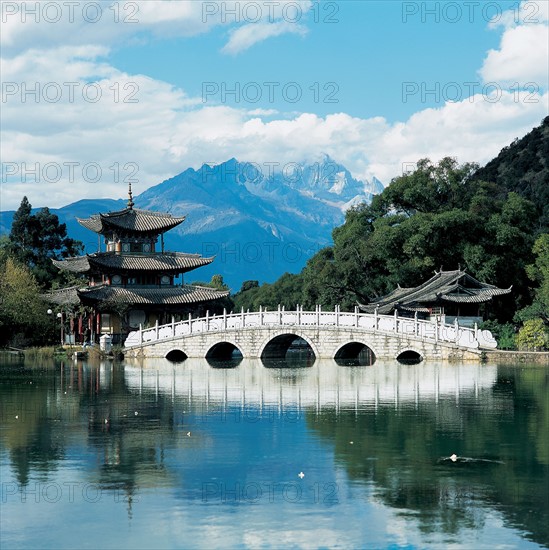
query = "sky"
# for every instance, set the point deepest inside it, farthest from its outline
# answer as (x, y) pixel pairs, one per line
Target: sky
(99, 94)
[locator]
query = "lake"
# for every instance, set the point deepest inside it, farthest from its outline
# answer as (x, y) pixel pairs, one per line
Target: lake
(247, 455)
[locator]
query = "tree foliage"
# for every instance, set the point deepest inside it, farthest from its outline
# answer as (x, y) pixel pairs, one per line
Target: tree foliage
(523, 167)
(539, 272)
(438, 216)
(533, 336)
(36, 239)
(23, 313)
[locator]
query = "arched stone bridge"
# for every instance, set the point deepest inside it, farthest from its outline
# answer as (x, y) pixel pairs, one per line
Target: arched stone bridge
(329, 334)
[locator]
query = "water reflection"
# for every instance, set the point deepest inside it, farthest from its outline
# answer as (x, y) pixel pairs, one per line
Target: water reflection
(218, 448)
(323, 385)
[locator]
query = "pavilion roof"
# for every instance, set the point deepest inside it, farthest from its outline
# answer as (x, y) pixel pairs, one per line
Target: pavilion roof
(131, 220)
(186, 294)
(63, 296)
(162, 262)
(445, 286)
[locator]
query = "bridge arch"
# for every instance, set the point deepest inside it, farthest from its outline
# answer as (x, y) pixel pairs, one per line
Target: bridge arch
(409, 356)
(276, 345)
(224, 350)
(357, 351)
(176, 355)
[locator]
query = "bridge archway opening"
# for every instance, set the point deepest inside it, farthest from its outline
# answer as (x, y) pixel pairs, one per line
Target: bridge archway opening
(355, 354)
(409, 357)
(176, 356)
(224, 355)
(289, 348)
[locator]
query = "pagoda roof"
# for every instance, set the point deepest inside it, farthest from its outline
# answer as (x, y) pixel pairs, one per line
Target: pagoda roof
(131, 220)
(163, 262)
(445, 286)
(63, 296)
(186, 294)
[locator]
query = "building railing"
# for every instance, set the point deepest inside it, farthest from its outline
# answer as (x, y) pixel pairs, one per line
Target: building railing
(433, 331)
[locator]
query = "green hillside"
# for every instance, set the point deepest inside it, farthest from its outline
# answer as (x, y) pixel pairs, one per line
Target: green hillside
(523, 167)
(443, 215)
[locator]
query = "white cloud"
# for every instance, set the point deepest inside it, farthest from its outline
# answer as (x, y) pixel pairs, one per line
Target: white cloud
(165, 131)
(46, 25)
(149, 124)
(528, 12)
(246, 36)
(523, 57)
(523, 54)
(473, 130)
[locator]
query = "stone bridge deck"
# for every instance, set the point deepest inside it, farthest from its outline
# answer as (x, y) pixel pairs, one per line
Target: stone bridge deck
(330, 334)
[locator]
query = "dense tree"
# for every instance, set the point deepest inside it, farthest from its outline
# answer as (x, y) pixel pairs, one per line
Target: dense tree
(539, 274)
(23, 313)
(523, 167)
(435, 217)
(36, 239)
(287, 292)
(218, 283)
(533, 336)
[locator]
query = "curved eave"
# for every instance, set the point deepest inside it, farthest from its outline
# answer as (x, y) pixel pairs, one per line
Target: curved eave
(78, 264)
(63, 296)
(184, 295)
(141, 221)
(93, 223)
(483, 296)
(131, 220)
(159, 263)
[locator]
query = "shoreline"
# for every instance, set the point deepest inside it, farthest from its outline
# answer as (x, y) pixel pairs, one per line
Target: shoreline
(514, 356)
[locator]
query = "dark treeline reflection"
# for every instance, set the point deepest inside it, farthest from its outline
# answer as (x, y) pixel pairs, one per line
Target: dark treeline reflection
(503, 433)
(387, 427)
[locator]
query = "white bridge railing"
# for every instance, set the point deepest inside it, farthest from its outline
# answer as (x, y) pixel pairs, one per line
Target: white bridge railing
(434, 331)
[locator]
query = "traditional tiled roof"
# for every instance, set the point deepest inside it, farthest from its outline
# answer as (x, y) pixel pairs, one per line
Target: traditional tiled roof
(166, 262)
(63, 296)
(79, 264)
(186, 294)
(131, 220)
(445, 286)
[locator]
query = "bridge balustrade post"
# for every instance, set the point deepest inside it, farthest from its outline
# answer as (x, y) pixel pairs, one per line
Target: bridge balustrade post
(260, 316)
(396, 320)
(318, 308)
(336, 316)
(298, 315)
(156, 329)
(416, 324)
(207, 320)
(242, 316)
(279, 315)
(356, 316)
(224, 318)
(173, 325)
(476, 332)
(140, 333)
(436, 329)
(456, 328)
(376, 319)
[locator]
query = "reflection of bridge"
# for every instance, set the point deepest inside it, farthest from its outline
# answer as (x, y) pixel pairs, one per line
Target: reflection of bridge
(329, 334)
(325, 385)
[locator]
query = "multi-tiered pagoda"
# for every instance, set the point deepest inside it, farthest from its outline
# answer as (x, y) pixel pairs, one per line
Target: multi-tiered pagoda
(134, 281)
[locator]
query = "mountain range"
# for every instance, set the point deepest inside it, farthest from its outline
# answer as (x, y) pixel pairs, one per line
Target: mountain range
(258, 220)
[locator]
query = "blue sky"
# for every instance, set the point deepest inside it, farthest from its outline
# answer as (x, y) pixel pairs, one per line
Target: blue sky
(373, 84)
(366, 48)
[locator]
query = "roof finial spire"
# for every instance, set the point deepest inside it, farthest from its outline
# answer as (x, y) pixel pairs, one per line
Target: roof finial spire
(130, 196)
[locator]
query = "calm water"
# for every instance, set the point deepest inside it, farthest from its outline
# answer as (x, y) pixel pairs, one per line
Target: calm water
(159, 455)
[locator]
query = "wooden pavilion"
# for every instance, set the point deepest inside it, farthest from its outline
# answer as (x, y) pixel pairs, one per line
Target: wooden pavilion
(448, 295)
(135, 281)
